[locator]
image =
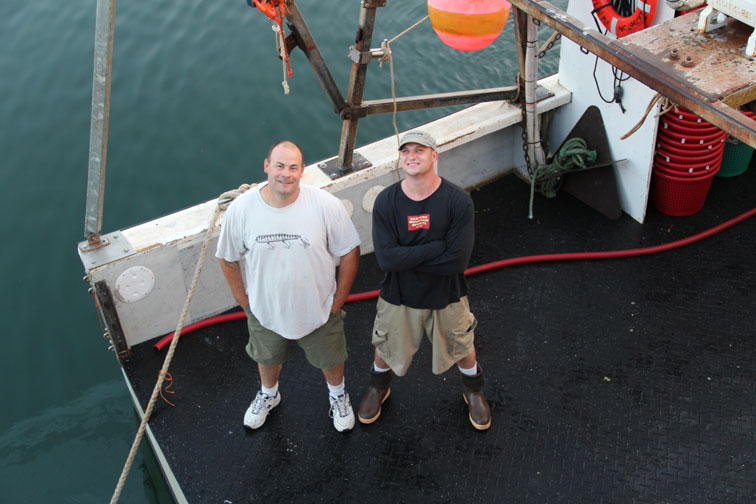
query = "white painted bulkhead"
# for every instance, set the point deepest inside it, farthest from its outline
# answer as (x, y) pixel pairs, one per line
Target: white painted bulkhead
(633, 176)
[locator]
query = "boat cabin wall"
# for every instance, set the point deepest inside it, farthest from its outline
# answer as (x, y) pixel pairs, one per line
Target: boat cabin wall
(150, 280)
(592, 82)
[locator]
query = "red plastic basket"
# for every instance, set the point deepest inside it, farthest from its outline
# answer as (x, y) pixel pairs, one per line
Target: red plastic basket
(691, 128)
(685, 175)
(679, 196)
(683, 114)
(696, 140)
(671, 155)
(685, 120)
(686, 150)
(683, 169)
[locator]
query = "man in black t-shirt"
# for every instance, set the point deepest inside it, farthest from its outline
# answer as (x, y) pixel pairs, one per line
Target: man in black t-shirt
(423, 233)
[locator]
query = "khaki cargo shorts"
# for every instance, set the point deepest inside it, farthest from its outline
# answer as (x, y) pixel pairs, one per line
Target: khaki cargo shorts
(398, 331)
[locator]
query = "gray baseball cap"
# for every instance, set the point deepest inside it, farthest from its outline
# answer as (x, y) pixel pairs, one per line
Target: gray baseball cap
(418, 137)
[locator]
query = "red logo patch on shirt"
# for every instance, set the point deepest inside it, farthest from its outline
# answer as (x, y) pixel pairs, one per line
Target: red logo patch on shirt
(415, 222)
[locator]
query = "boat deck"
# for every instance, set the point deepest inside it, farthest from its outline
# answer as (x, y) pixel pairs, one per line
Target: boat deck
(620, 380)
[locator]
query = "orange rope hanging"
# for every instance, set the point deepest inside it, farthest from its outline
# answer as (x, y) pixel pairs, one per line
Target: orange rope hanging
(168, 390)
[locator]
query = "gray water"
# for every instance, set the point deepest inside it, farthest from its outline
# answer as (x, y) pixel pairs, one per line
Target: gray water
(196, 102)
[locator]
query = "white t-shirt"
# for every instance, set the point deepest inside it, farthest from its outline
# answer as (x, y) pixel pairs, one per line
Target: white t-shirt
(290, 256)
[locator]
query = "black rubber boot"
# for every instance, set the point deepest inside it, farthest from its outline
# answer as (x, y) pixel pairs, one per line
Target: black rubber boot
(377, 393)
(480, 413)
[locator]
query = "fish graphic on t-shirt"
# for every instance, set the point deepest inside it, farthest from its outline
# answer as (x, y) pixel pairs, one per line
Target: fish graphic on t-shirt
(271, 239)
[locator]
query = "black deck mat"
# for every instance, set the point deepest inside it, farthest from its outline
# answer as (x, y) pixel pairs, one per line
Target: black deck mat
(610, 381)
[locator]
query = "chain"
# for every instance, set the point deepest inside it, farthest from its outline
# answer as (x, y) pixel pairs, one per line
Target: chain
(549, 44)
(521, 93)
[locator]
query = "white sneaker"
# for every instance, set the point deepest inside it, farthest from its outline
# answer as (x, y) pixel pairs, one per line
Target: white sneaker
(258, 411)
(341, 412)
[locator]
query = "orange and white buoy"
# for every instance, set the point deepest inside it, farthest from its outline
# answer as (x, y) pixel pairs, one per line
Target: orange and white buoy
(468, 25)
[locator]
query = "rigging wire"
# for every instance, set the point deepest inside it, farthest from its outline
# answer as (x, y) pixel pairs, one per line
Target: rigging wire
(619, 75)
(619, 78)
(388, 56)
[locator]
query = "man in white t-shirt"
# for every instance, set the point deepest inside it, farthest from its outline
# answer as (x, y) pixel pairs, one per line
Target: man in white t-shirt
(278, 248)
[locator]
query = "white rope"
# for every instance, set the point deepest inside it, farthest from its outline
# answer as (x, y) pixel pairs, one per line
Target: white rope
(387, 56)
(281, 48)
(223, 201)
(408, 29)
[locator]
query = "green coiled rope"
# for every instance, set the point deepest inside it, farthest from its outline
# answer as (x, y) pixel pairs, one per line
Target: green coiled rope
(574, 153)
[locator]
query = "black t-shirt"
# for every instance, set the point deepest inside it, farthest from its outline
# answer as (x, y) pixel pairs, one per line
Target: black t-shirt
(423, 246)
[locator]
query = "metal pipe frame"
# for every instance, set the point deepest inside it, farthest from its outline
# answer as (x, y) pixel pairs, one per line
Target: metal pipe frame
(356, 83)
(353, 108)
(306, 42)
(386, 105)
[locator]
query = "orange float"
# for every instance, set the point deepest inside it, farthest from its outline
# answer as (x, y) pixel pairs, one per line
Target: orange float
(468, 25)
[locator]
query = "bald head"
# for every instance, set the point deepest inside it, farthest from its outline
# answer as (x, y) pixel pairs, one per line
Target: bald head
(285, 144)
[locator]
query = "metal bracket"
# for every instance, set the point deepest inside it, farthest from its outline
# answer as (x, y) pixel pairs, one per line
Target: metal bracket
(542, 93)
(111, 247)
(365, 57)
(95, 242)
(332, 169)
(112, 322)
(359, 57)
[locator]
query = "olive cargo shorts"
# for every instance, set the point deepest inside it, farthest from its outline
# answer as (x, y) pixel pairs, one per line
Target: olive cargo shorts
(325, 347)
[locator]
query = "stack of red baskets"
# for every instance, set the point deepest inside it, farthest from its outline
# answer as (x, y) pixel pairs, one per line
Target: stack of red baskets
(688, 155)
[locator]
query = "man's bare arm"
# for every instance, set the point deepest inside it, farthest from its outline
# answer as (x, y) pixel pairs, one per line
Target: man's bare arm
(347, 271)
(232, 272)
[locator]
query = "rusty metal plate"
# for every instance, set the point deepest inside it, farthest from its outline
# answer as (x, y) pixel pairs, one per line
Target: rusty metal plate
(114, 246)
(332, 168)
(714, 64)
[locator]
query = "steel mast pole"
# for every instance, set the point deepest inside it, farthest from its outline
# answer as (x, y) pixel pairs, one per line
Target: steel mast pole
(98, 133)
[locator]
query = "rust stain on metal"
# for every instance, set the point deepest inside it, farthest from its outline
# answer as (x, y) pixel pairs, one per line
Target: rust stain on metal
(713, 63)
(722, 79)
(460, 137)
